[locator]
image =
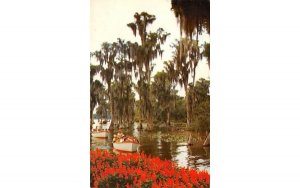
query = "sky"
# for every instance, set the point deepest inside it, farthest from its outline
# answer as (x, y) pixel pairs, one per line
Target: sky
(109, 19)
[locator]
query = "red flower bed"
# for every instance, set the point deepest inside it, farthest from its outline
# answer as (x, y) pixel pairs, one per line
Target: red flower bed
(138, 170)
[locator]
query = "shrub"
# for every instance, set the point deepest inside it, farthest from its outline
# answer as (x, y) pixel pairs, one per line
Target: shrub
(138, 170)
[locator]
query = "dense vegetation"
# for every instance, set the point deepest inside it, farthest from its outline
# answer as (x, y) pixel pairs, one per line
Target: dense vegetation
(124, 88)
(138, 170)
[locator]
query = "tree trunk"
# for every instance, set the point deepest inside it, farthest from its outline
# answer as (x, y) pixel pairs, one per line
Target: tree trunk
(127, 114)
(122, 106)
(111, 107)
(140, 112)
(187, 104)
(150, 120)
(168, 118)
(91, 127)
(208, 64)
(191, 101)
(121, 123)
(149, 114)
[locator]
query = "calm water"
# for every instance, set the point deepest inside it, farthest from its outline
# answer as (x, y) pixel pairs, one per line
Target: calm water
(167, 145)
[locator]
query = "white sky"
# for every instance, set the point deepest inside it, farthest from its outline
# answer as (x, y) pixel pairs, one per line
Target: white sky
(109, 19)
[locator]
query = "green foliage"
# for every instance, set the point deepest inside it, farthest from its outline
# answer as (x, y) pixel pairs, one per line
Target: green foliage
(206, 52)
(143, 56)
(158, 102)
(161, 88)
(201, 105)
(178, 114)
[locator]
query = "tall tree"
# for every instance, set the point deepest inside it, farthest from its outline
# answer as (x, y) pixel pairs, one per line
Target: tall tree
(149, 49)
(115, 67)
(173, 79)
(103, 107)
(93, 98)
(185, 58)
(96, 92)
(171, 72)
(161, 88)
(106, 58)
(123, 75)
(202, 105)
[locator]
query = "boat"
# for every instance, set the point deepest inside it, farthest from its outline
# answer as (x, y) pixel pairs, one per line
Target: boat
(106, 126)
(100, 134)
(95, 125)
(100, 130)
(126, 146)
(125, 143)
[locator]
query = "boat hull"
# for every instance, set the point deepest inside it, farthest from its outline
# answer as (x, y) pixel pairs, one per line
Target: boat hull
(102, 134)
(126, 146)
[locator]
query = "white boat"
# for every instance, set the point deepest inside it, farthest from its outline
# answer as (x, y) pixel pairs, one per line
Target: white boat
(108, 122)
(106, 126)
(100, 134)
(126, 146)
(95, 125)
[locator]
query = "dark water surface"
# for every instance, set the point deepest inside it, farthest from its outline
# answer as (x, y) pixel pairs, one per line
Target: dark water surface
(167, 145)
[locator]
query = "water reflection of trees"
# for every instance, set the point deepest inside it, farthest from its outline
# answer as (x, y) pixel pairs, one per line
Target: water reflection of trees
(195, 153)
(154, 144)
(166, 150)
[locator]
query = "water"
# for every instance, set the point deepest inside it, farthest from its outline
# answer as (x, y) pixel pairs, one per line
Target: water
(170, 145)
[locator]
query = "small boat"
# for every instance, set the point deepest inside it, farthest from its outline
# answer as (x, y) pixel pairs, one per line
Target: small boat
(95, 125)
(126, 146)
(125, 143)
(100, 134)
(106, 126)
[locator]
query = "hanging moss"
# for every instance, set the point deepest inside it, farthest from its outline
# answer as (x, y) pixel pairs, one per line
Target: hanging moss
(193, 15)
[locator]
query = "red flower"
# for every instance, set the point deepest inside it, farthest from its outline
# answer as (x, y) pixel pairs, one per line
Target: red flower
(138, 169)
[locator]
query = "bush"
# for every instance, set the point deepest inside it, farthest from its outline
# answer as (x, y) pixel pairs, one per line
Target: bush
(138, 170)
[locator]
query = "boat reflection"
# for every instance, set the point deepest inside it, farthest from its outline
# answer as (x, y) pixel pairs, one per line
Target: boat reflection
(166, 145)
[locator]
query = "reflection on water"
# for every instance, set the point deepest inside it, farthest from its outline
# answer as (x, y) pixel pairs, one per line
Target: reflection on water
(166, 145)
